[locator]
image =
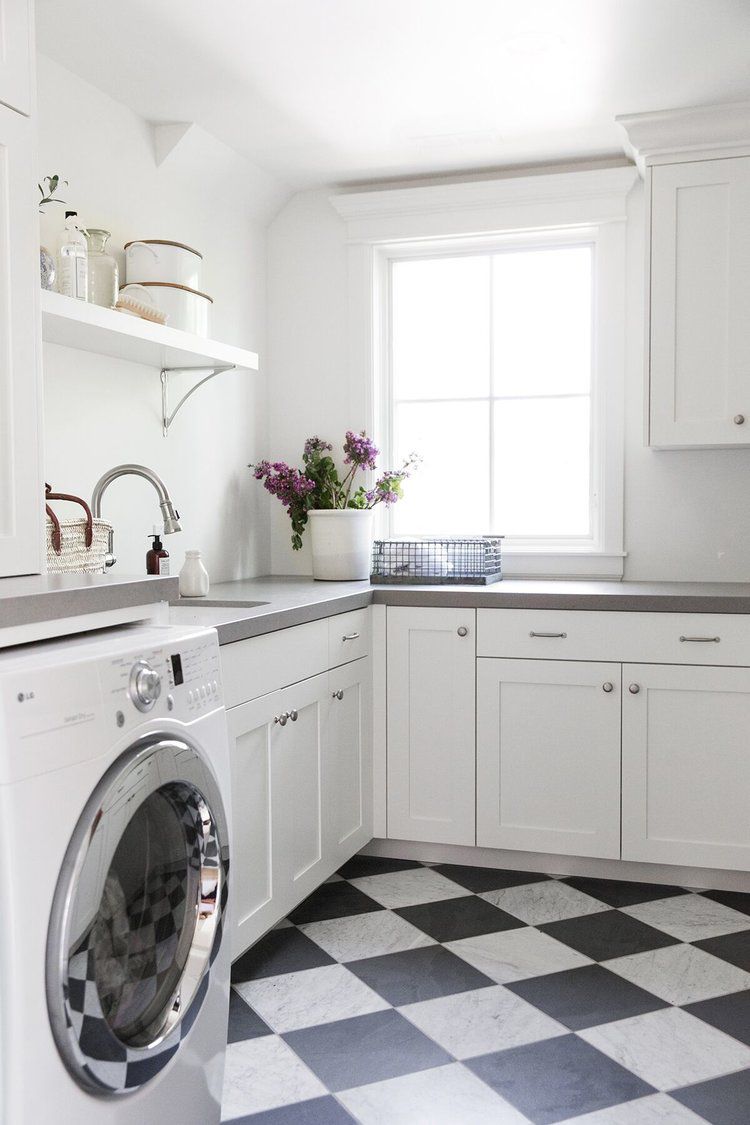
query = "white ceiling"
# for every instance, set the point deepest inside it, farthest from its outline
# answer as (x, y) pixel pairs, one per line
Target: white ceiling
(337, 91)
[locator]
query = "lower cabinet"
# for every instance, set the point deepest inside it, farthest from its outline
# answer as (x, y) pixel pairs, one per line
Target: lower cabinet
(686, 765)
(548, 756)
(301, 793)
(431, 706)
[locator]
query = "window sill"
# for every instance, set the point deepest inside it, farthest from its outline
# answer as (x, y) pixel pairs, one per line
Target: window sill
(520, 562)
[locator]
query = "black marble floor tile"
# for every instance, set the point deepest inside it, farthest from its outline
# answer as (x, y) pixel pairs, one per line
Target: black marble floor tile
(317, 1111)
(456, 918)
(365, 1049)
(734, 948)
(244, 1023)
(730, 1014)
(722, 1101)
(480, 879)
(558, 1078)
(281, 951)
(607, 935)
(333, 900)
(586, 997)
(418, 974)
(616, 892)
(737, 900)
(360, 866)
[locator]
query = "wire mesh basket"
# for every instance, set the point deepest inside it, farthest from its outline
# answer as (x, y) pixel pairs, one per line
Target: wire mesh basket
(473, 560)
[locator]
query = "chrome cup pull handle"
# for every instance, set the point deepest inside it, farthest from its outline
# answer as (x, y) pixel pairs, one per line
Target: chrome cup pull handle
(701, 640)
(555, 635)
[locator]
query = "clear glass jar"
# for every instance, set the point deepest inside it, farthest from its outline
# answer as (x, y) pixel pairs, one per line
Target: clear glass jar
(103, 271)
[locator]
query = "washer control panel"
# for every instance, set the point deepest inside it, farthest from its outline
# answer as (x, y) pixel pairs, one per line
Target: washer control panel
(181, 679)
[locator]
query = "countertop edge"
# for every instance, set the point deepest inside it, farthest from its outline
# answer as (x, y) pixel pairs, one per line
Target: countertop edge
(58, 602)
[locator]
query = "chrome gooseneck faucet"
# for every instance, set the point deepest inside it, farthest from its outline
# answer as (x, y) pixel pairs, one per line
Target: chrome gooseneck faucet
(170, 517)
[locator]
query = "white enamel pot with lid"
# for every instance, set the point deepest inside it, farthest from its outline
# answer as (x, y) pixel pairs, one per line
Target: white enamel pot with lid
(186, 308)
(156, 259)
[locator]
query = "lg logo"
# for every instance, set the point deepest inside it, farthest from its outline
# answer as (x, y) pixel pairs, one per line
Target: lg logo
(24, 695)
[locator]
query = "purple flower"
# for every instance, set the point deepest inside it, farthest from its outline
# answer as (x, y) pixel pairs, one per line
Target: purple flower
(316, 445)
(288, 484)
(360, 450)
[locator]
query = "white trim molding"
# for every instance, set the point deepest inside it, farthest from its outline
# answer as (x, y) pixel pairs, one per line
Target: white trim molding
(391, 223)
(672, 136)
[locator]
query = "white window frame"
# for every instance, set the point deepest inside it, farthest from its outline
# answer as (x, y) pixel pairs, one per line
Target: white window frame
(590, 207)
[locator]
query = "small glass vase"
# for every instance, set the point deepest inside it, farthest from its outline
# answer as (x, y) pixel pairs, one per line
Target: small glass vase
(103, 271)
(47, 269)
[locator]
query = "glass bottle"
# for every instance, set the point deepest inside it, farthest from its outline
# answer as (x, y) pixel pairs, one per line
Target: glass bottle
(72, 260)
(103, 271)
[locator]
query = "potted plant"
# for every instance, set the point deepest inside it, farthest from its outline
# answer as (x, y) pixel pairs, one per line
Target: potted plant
(338, 509)
(47, 189)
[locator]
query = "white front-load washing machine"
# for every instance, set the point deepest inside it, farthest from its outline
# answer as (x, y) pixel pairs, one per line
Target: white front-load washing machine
(114, 852)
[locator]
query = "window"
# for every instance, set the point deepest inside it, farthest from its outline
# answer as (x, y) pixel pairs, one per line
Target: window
(487, 332)
(491, 381)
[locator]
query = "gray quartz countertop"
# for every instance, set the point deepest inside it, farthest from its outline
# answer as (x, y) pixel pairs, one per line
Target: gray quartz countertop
(48, 597)
(294, 601)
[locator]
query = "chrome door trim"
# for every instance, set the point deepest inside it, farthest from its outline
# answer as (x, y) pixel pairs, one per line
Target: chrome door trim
(157, 762)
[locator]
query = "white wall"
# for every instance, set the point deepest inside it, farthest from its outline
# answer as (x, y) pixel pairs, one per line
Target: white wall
(687, 514)
(99, 411)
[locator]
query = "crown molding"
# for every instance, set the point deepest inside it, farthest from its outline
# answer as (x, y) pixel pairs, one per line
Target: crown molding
(693, 133)
(476, 205)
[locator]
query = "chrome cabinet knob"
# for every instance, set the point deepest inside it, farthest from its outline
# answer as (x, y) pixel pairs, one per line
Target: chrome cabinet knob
(608, 686)
(281, 719)
(462, 631)
(739, 419)
(145, 685)
(294, 715)
(634, 688)
(337, 695)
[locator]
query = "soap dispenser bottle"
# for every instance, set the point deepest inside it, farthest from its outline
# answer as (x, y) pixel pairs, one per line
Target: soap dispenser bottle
(157, 559)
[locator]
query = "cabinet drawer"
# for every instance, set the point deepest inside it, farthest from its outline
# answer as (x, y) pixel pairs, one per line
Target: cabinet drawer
(653, 638)
(549, 634)
(348, 637)
(261, 665)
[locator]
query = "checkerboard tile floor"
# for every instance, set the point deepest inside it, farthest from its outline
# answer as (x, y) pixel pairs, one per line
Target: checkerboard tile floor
(401, 993)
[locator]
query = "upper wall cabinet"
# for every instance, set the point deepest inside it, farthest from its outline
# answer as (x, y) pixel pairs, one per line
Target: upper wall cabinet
(696, 164)
(21, 490)
(15, 54)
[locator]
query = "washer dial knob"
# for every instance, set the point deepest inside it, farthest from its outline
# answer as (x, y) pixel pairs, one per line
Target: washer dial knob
(145, 685)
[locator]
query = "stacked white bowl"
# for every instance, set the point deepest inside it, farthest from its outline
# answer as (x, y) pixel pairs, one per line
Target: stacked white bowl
(167, 276)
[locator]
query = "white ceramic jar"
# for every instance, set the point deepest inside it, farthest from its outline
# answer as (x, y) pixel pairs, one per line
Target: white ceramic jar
(156, 259)
(341, 542)
(193, 576)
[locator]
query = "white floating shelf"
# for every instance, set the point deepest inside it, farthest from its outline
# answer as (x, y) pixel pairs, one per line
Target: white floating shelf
(77, 324)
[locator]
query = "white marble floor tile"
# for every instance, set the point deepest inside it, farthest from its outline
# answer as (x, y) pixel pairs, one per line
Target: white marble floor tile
(669, 1048)
(680, 974)
(657, 1109)
(689, 917)
(551, 901)
(408, 888)
(517, 954)
(366, 935)
(310, 997)
(262, 1074)
(479, 1022)
(445, 1095)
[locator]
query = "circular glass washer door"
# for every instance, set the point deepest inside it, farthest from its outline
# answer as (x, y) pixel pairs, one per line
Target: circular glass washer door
(137, 916)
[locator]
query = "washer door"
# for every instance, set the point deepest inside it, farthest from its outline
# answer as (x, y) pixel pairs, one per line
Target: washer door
(137, 916)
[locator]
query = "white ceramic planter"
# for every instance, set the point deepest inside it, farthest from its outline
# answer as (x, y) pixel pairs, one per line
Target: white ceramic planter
(154, 259)
(341, 544)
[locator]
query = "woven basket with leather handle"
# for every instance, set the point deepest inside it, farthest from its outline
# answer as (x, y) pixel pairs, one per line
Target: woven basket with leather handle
(76, 545)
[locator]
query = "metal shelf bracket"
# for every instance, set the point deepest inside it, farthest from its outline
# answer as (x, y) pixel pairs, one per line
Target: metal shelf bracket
(166, 418)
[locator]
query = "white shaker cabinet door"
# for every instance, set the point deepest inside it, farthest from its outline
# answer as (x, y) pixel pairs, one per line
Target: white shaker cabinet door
(21, 486)
(257, 898)
(431, 754)
(548, 756)
(686, 765)
(16, 22)
(700, 295)
(347, 774)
